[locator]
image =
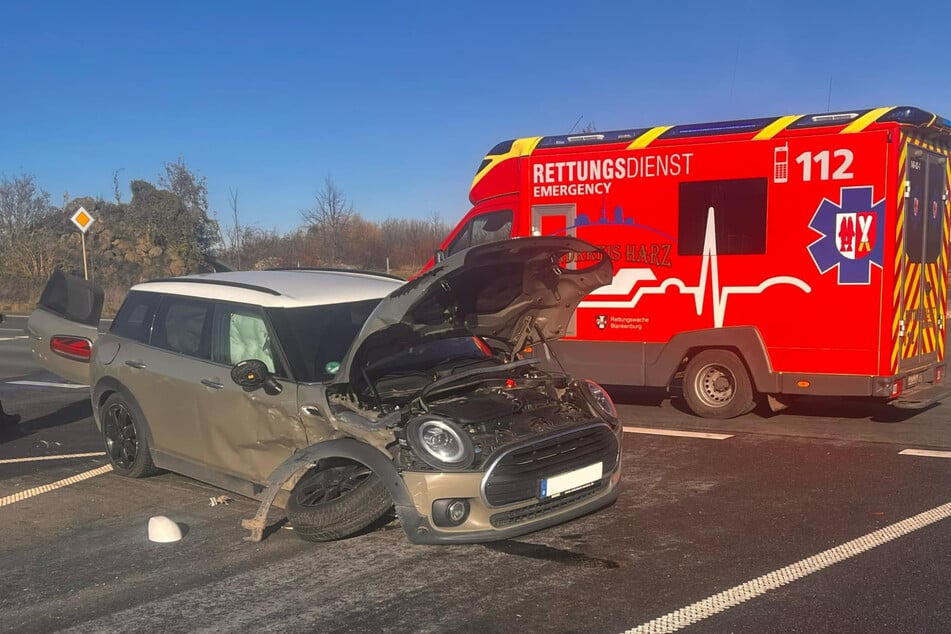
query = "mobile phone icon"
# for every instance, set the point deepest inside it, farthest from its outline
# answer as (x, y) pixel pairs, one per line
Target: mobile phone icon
(781, 164)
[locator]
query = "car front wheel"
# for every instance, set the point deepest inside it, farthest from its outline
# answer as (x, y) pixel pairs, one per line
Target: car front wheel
(335, 499)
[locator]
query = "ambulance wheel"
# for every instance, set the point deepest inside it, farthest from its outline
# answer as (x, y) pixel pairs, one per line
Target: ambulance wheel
(716, 385)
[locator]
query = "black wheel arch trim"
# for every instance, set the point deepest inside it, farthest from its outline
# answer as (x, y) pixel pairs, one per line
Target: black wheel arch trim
(745, 340)
(110, 385)
(297, 464)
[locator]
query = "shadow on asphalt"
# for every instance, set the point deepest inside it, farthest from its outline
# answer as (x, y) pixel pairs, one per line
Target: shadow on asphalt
(70, 413)
(854, 408)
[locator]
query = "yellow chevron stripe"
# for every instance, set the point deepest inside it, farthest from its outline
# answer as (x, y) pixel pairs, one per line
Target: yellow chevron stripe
(897, 341)
(520, 147)
(776, 127)
(648, 137)
(912, 303)
(865, 120)
(943, 265)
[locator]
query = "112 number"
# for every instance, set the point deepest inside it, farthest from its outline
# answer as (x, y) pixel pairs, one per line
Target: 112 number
(824, 160)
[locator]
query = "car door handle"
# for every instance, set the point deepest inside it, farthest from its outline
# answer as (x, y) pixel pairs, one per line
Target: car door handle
(211, 383)
(135, 364)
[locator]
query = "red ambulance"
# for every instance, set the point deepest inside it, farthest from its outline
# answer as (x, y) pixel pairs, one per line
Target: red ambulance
(781, 256)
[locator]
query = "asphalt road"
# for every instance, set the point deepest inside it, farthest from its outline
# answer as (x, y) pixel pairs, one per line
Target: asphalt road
(804, 521)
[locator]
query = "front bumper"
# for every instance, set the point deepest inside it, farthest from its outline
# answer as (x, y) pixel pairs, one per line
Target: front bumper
(486, 523)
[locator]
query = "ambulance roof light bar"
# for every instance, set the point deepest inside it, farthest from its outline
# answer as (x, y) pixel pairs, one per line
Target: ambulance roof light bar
(834, 117)
(585, 137)
(611, 136)
(723, 127)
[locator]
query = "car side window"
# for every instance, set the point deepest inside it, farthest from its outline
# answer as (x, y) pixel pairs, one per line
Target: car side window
(134, 319)
(241, 333)
(183, 325)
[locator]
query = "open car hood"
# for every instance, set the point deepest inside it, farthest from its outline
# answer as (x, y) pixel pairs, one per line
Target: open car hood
(521, 292)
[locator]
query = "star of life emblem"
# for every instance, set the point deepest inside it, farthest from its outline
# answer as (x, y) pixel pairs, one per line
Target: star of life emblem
(852, 235)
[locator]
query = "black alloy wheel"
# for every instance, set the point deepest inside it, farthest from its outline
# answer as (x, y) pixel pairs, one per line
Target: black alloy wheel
(123, 430)
(122, 441)
(325, 485)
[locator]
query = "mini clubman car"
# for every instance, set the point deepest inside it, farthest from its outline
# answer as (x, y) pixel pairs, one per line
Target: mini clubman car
(342, 395)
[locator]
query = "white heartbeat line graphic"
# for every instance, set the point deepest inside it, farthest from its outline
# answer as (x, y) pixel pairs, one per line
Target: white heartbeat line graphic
(626, 279)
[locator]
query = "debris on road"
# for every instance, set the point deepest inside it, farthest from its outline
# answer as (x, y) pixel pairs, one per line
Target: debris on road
(221, 499)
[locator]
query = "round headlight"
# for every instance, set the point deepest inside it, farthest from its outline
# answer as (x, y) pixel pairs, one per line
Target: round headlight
(600, 400)
(440, 443)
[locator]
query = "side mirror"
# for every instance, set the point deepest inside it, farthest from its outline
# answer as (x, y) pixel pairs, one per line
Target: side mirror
(439, 256)
(252, 374)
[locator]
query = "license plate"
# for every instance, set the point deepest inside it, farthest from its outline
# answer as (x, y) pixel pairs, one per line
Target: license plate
(913, 380)
(570, 480)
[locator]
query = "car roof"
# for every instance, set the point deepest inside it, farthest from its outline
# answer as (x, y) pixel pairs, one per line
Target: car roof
(279, 288)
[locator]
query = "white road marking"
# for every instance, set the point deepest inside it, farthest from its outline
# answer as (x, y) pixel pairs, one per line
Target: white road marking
(925, 452)
(675, 432)
(73, 386)
(738, 594)
(12, 338)
(59, 484)
(62, 457)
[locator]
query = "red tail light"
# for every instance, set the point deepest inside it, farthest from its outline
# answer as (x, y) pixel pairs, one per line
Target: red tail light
(75, 348)
(483, 346)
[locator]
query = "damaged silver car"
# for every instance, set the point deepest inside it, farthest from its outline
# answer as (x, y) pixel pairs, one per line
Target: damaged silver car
(342, 396)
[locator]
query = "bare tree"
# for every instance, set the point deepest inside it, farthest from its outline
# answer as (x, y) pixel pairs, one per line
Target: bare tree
(234, 234)
(330, 217)
(439, 230)
(22, 204)
(29, 228)
(117, 191)
(192, 190)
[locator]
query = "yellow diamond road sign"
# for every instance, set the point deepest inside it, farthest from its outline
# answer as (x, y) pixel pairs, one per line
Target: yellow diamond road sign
(82, 219)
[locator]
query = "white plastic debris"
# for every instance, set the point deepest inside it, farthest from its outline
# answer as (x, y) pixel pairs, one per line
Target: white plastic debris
(163, 530)
(221, 499)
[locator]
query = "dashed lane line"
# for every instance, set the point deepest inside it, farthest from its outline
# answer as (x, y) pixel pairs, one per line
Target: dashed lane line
(59, 457)
(73, 386)
(736, 595)
(676, 432)
(59, 484)
(928, 453)
(12, 338)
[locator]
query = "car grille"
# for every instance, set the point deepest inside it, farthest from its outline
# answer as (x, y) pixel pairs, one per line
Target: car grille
(501, 520)
(515, 474)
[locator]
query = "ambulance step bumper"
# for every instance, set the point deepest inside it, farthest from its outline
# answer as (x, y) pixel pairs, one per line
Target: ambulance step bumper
(922, 396)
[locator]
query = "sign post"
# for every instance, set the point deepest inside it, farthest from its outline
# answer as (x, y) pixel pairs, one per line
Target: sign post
(83, 219)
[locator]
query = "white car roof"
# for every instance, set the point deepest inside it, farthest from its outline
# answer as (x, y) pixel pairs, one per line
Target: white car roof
(279, 289)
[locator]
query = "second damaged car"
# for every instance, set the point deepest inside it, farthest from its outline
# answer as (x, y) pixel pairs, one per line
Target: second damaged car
(343, 395)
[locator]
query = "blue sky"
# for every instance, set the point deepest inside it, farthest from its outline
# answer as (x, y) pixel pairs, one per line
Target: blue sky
(398, 102)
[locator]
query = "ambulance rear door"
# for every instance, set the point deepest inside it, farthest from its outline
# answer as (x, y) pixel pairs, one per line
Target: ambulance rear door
(924, 268)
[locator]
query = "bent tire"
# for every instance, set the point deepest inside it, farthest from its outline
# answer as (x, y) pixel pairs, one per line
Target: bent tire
(717, 385)
(123, 430)
(335, 499)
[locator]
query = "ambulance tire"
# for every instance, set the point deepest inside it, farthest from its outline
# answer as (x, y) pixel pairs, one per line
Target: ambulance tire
(717, 385)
